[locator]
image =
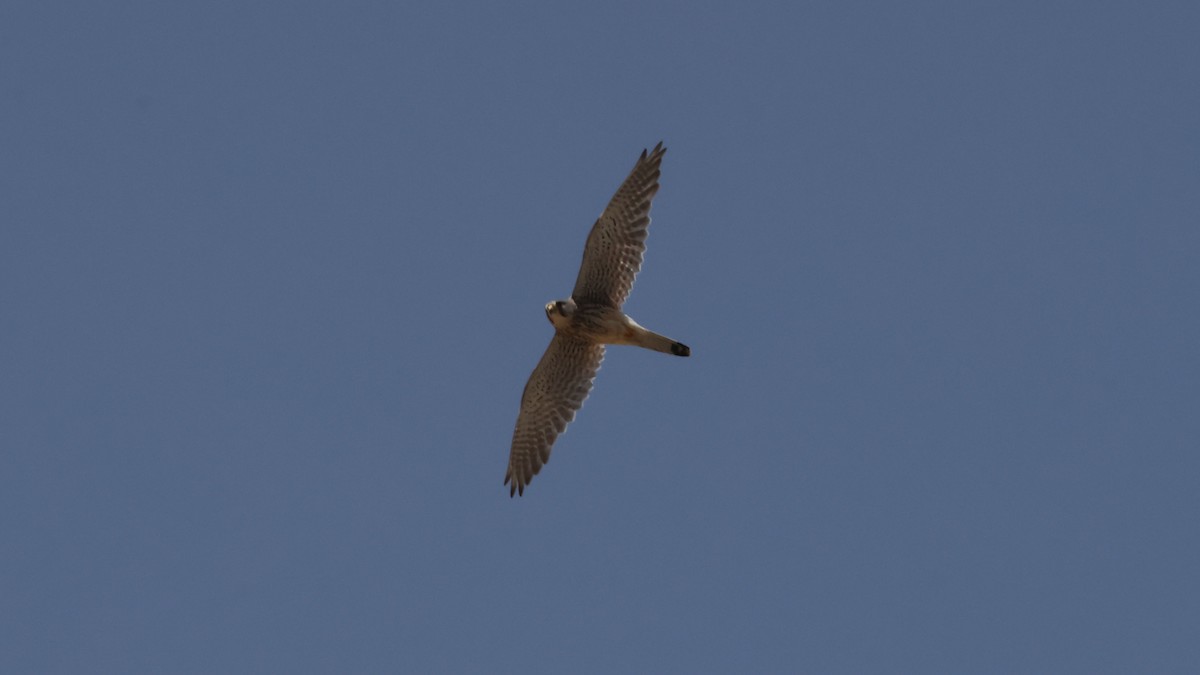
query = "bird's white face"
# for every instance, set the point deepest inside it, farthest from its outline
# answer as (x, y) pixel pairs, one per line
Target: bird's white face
(560, 311)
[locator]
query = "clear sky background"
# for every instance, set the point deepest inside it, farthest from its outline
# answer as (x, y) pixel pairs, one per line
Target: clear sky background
(271, 283)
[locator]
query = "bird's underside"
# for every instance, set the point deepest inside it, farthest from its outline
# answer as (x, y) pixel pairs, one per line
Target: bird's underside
(588, 320)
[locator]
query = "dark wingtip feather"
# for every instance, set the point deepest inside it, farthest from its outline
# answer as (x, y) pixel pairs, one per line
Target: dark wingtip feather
(655, 154)
(517, 487)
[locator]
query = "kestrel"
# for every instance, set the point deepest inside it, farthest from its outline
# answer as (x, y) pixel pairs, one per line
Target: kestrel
(588, 320)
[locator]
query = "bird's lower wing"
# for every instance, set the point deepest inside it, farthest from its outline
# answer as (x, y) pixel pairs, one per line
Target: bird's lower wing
(556, 390)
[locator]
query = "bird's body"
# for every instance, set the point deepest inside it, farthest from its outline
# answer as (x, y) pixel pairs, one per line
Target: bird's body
(608, 326)
(591, 318)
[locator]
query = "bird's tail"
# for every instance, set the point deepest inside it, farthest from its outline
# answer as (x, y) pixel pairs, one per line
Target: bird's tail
(661, 343)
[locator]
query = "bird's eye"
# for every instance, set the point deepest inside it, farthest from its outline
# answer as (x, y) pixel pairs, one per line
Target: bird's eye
(559, 306)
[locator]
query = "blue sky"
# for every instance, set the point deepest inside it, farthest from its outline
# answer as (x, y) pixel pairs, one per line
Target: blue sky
(271, 283)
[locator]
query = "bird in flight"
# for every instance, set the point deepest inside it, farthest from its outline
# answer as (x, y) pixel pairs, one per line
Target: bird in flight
(588, 320)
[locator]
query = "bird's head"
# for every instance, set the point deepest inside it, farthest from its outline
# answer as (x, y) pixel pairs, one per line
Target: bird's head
(560, 312)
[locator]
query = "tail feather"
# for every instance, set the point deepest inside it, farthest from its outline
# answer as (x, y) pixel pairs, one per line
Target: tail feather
(662, 343)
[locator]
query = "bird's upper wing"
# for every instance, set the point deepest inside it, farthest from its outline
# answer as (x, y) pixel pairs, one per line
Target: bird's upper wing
(613, 254)
(556, 389)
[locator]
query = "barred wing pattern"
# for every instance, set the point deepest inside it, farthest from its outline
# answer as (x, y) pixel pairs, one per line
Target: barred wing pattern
(613, 254)
(555, 391)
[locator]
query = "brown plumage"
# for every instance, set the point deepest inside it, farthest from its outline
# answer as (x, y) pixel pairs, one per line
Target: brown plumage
(588, 320)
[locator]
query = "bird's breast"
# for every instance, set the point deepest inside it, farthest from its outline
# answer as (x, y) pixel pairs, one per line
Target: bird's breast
(603, 324)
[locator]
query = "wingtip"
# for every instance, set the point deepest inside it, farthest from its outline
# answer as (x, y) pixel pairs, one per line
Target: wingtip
(517, 487)
(658, 151)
